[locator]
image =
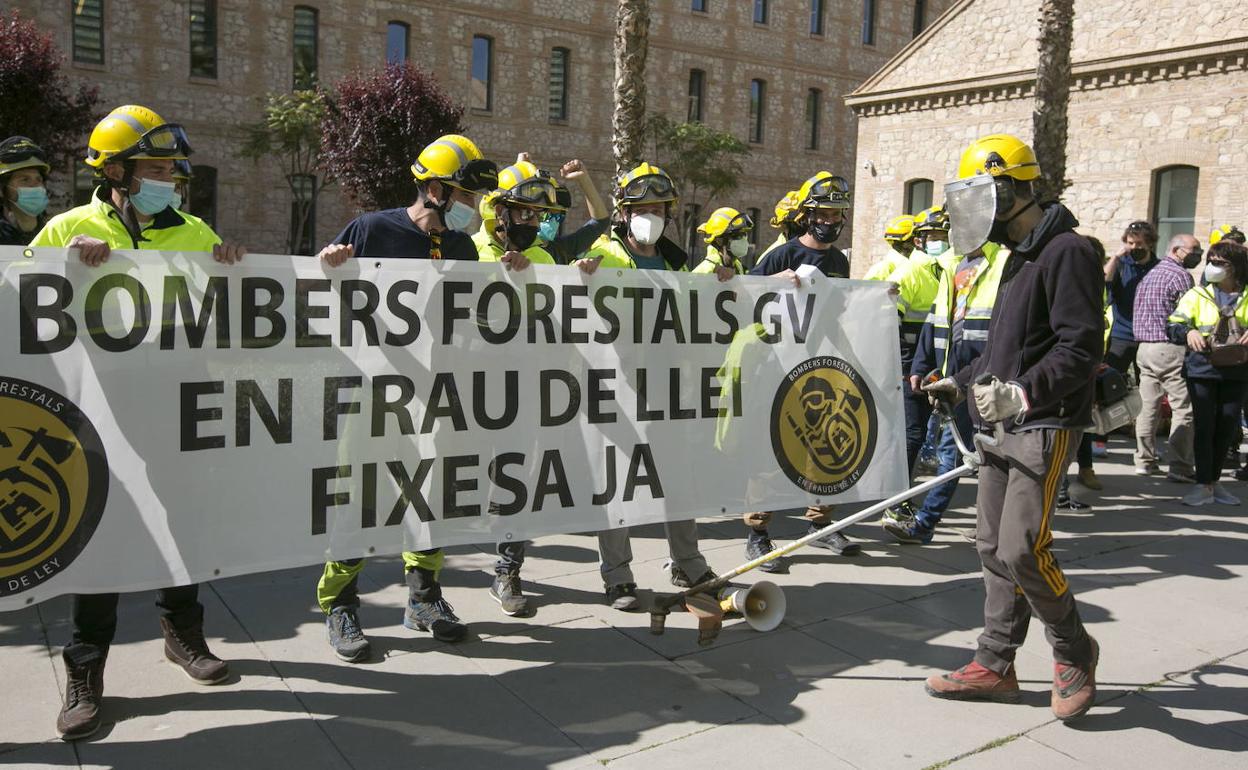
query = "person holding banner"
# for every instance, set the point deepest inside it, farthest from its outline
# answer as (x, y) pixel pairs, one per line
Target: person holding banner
(1033, 386)
(727, 237)
(823, 203)
(450, 172)
(644, 200)
(567, 248)
(132, 151)
(23, 190)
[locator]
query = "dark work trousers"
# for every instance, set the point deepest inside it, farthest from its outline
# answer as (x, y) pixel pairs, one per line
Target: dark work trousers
(918, 410)
(1120, 354)
(1216, 406)
(94, 618)
(1018, 486)
(1084, 453)
(510, 557)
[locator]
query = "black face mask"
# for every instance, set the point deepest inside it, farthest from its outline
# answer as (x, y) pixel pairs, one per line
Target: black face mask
(824, 233)
(1000, 232)
(520, 236)
(1193, 258)
(1140, 254)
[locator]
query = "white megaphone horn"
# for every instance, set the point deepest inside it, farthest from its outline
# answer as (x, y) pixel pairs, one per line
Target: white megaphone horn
(762, 604)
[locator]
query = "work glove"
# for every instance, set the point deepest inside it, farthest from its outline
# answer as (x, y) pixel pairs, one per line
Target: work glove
(945, 390)
(998, 401)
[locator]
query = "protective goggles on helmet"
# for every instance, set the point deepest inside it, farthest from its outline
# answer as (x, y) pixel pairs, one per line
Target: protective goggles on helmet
(164, 141)
(475, 176)
(830, 192)
(655, 187)
(539, 193)
(741, 223)
(14, 153)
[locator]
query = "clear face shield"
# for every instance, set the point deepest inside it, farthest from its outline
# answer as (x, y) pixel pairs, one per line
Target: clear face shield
(972, 207)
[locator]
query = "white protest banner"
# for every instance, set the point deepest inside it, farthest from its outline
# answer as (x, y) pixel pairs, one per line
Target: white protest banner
(166, 419)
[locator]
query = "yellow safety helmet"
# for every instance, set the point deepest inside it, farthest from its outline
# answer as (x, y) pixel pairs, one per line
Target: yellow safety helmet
(899, 229)
(131, 132)
(454, 160)
(1225, 232)
(787, 209)
(647, 183)
(824, 190)
(999, 155)
(725, 223)
(932, 219)
(523, 184)
(18, 152)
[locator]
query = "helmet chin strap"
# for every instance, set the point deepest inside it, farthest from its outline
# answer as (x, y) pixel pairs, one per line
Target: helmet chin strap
(440, 208)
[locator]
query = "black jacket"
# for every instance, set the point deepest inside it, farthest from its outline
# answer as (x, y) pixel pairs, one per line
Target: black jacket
(1047, 326)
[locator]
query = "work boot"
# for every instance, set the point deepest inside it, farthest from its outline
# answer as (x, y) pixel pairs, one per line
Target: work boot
(623, 597)
(186, 647)
(975, 682)
(438, 617)
(1088, 478)
(1067, 503)
(681, 580)
(506, 591)
(346, 636)
(759, 544)
(84, 692)
(835, 542)
(1074, 688)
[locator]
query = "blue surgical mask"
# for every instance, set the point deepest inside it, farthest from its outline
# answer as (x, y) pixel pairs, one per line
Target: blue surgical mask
(153, 197)
(935, 248)
(458, 216)
(549, 229)
(175, 202)
(32, 200)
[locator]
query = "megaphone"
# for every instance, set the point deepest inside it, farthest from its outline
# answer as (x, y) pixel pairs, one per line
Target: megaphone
(762, 604)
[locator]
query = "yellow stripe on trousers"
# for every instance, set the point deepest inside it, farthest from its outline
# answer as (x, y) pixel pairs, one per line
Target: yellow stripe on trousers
(1044, 538)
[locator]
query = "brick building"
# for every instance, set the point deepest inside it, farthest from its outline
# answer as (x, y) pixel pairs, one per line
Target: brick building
(535, 75)
(1158, 113)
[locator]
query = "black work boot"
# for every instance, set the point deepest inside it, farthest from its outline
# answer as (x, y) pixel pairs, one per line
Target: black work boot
(84, 692)
(428, 611)
(185, 646)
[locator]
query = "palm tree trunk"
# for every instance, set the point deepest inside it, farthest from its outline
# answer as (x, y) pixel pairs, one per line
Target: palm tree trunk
(632, 29)
(1049, 122)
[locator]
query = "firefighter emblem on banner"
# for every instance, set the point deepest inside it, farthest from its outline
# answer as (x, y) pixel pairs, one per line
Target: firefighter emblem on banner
(824, 425)
(53, 484)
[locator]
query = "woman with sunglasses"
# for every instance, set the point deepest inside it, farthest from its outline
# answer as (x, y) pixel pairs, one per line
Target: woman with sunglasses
(23, 192)
(1209, 316)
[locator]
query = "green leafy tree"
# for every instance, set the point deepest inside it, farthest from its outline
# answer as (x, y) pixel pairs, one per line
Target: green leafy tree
(705, 163)
(290, 134)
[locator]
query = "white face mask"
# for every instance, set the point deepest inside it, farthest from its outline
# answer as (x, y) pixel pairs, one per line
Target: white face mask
(739, 247)
(1215, 273)
(646, 228)
(936, 248)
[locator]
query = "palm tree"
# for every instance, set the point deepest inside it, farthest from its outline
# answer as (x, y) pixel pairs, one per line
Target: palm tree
(1048, 118)
(632, 29)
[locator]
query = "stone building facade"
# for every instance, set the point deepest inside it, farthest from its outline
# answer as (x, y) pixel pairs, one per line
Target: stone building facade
(146, 58)
(1158, 111)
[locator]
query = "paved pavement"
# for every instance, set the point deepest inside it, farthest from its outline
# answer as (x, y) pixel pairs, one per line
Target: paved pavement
(839, 685)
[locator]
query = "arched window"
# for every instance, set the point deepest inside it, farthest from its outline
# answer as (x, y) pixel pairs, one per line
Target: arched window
(1174, 201)
(918, 195)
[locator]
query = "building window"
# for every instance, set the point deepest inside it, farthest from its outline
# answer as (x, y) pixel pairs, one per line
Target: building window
(868, 22)
(697, 82)
(88, 30)
(918, 195)
(814, 102)
(760, 11)
(84, 183)
(816, 17)
(396, 42)
(303, 213)
(699, 6)
(758, 98)
(920, 16)
(204, 38)
(1174, 200)
(203, 198)
(305, 47)
(559, 58)
(482, 73)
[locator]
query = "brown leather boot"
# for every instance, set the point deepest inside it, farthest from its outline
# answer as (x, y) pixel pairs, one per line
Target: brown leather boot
(1074, 687)
(84, 691)
(187, 648)
(975, 682)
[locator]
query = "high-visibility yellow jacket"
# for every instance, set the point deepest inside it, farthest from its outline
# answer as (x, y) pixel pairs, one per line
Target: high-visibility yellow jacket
(611, 247)
(780, 240)
(489, 250)
(934, 351)
(715, 258)
(1198, 309)
(170, 230)
(886, 267)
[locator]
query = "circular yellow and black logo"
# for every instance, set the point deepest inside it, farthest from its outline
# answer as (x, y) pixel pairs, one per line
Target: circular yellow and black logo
(823, 425)
(53, 484)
